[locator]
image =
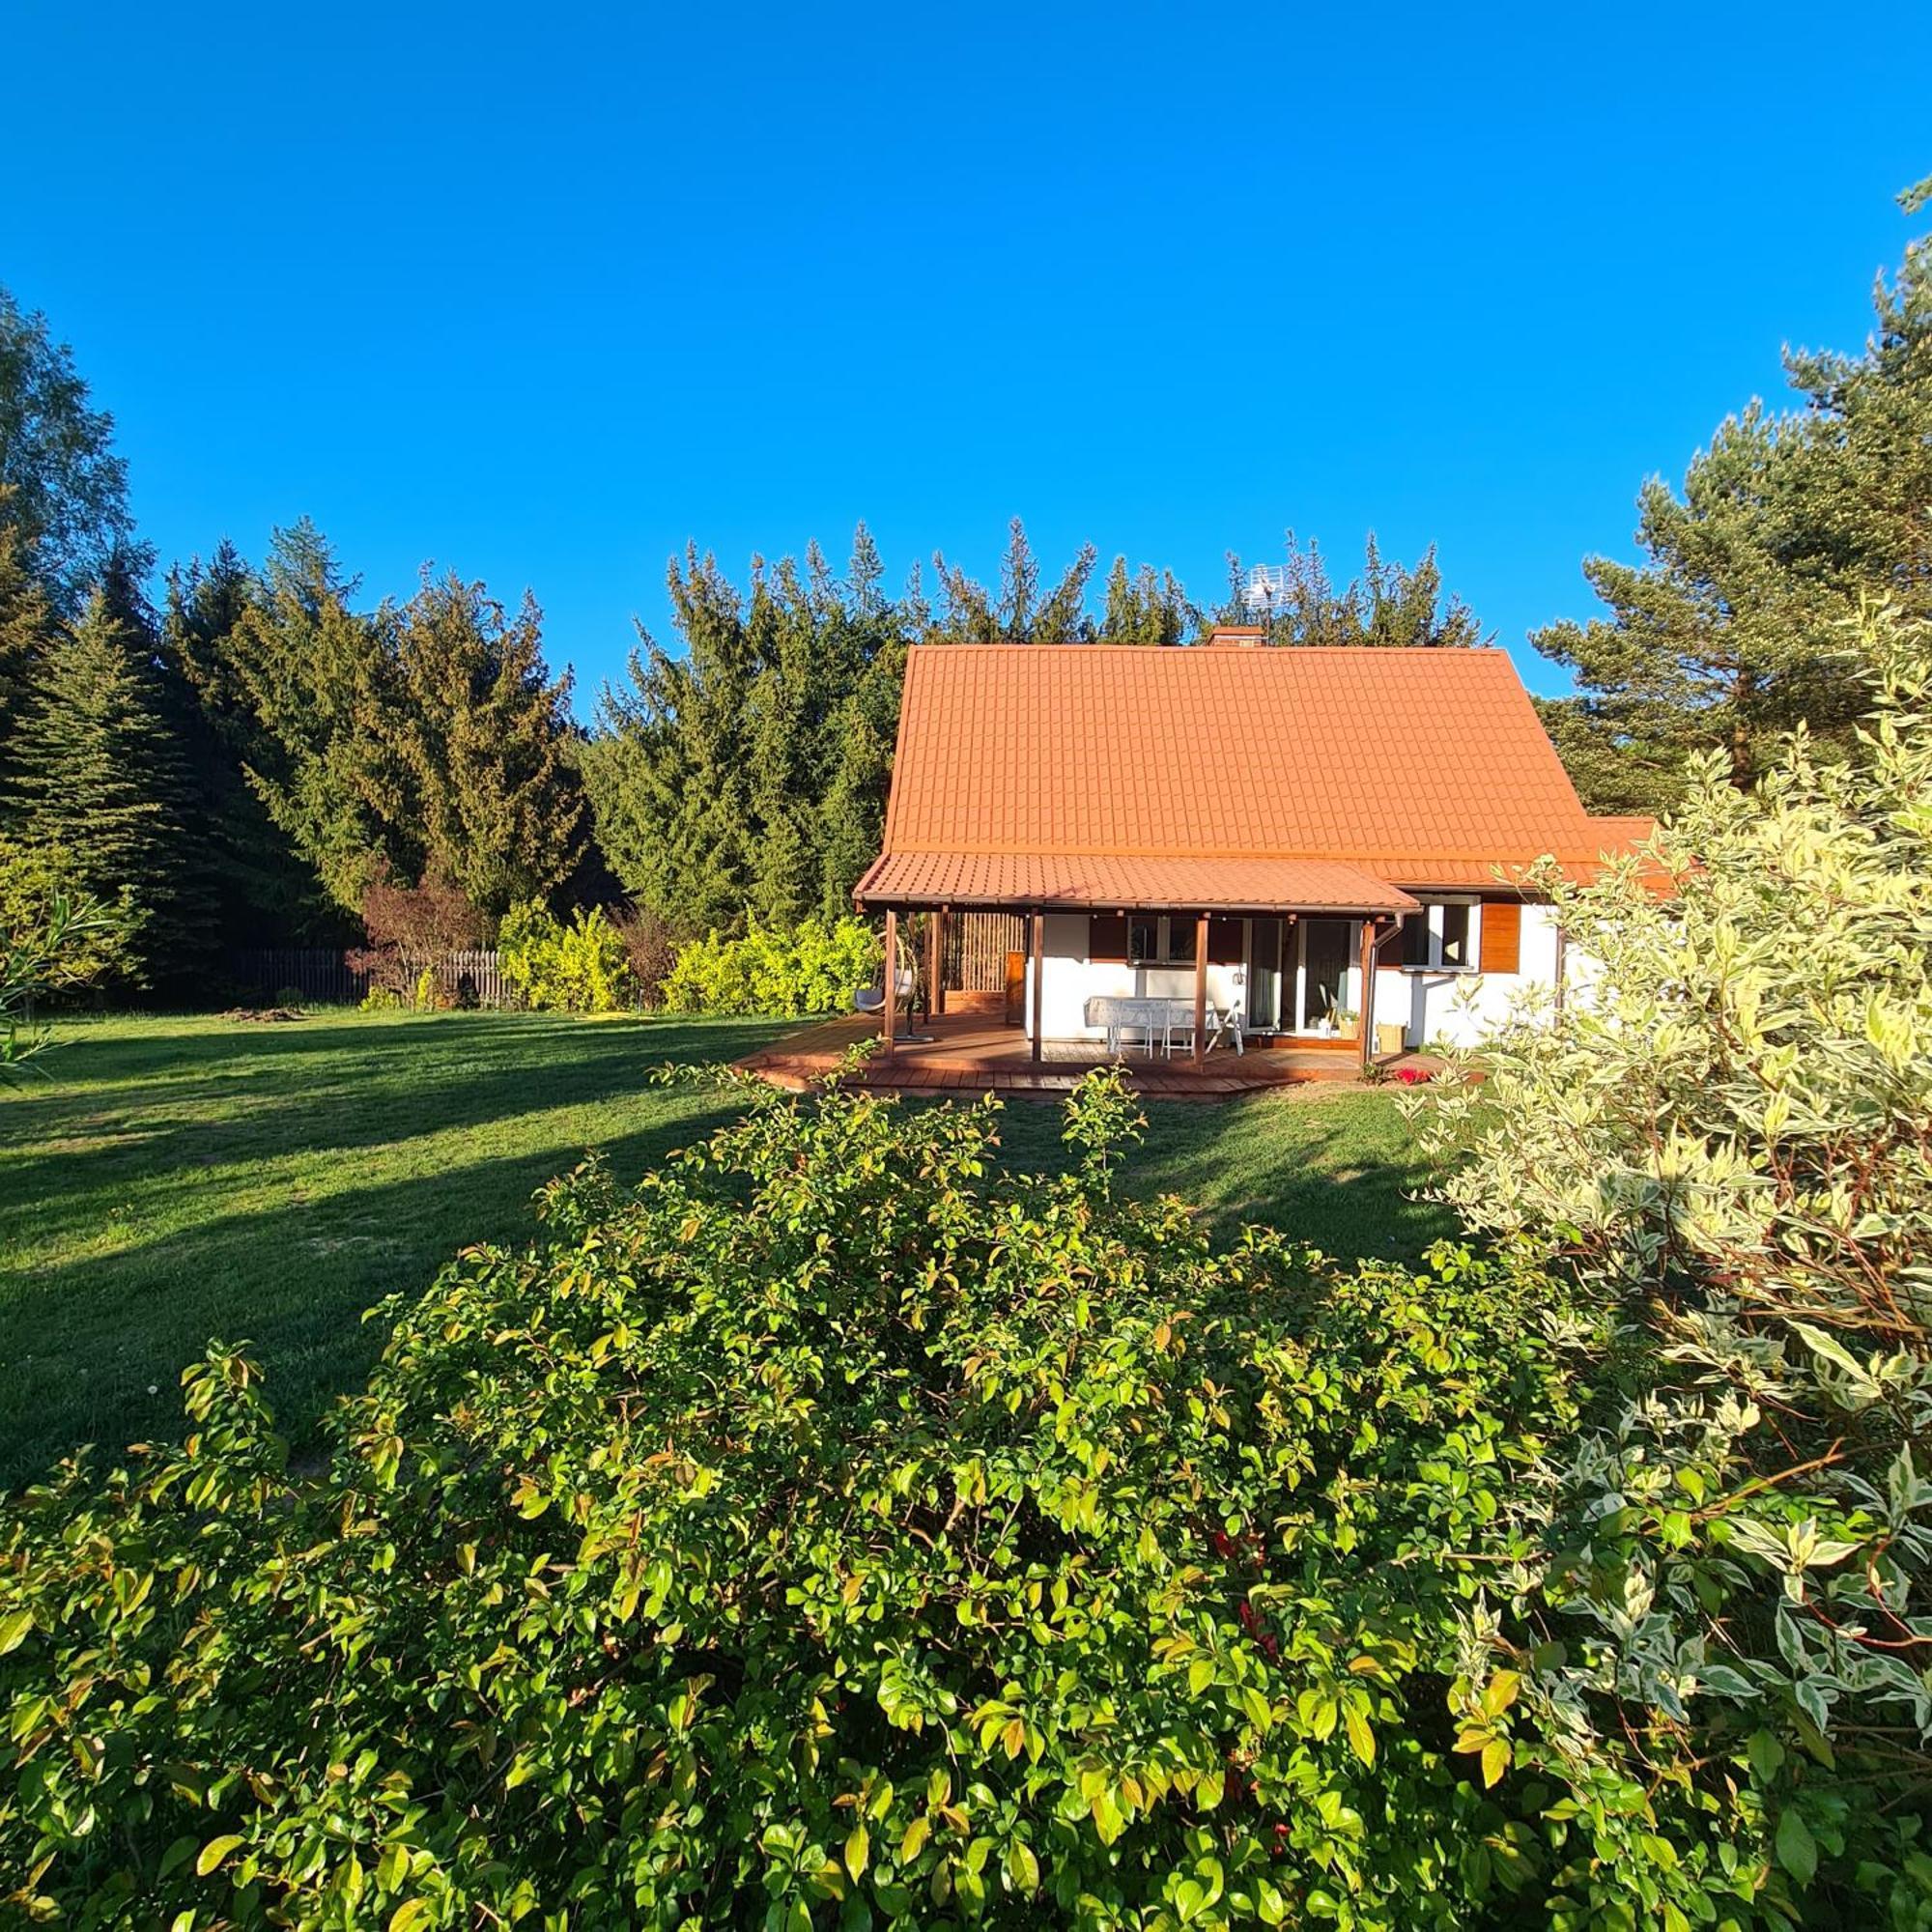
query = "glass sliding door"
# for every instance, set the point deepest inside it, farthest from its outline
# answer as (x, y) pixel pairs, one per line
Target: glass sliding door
(1324, 969)
(1264, 1013)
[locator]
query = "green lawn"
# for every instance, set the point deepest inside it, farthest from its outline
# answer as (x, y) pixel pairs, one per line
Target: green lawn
(178, 1178)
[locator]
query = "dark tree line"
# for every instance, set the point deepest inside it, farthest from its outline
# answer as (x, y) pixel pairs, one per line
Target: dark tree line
(257, 753)
(745, 772)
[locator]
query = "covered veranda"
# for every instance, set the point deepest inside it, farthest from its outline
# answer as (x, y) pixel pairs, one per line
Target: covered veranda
(929, 1037)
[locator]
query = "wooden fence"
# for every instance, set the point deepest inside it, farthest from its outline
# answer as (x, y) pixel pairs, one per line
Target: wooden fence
(323, 975)
(977, 947)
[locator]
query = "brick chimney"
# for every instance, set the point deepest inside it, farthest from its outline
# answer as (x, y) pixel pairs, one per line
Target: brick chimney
(1239, 637)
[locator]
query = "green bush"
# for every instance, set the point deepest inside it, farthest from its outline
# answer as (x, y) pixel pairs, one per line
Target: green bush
(829, 1533)
(583, 967)
(814, 968)
(55, 939)
(1725, 1139)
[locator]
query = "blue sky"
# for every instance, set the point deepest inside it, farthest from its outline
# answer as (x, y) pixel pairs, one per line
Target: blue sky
(542, 293)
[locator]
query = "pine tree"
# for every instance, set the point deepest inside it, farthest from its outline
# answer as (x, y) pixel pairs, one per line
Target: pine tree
(101, 779)
(1736, 626)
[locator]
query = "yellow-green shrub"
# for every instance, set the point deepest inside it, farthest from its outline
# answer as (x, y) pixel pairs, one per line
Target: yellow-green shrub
(815, 967)
(581, 967)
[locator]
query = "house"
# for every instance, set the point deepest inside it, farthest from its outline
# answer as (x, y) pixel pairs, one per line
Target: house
(1323, 840)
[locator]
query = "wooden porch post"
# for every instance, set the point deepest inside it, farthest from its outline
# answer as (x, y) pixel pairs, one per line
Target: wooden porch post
(1367, 1020)
(892, 1011)
(1038, 982)
(935, 953)
(1200, 987)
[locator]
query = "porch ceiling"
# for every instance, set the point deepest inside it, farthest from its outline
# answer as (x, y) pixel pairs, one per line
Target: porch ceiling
(1115, 882)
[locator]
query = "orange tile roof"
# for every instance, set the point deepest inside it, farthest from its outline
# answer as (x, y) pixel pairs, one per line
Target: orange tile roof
(1616, 836)
(1123, 883)
(1058, 774)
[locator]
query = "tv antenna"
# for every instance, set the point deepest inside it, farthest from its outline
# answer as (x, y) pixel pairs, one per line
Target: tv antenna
(1265, 592)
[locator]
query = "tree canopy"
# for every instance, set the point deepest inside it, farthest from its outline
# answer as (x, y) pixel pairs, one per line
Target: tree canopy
(63, 487)
(1735, 626)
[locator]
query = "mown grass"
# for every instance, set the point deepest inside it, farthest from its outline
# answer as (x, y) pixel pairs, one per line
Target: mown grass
(175, 1180)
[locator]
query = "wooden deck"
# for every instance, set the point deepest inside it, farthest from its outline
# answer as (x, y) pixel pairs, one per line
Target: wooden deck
(971, 1053)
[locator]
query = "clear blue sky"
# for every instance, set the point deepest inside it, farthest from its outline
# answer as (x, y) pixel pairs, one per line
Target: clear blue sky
(541, 291)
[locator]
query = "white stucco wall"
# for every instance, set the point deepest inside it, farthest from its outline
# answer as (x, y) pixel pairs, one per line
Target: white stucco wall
(1428, 1006)
(1460, 1007)
(1070, 979)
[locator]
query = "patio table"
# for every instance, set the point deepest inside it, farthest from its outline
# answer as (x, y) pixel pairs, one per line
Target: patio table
(1152, 1018)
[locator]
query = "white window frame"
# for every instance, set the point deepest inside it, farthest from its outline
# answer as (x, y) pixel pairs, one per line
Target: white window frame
(1432, 914)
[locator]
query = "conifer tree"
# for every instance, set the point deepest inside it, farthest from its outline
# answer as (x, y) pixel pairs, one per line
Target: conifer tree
(971, 614)
(745, 775)
(1736, 626)
(263, 891)
(99, 778)
(25, 620)
(1388, 605)
(319, 681)
(1147, 608)
(482, 730)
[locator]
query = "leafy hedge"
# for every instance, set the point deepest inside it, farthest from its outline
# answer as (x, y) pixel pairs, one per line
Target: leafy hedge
(914, 1545)
(815, 967)
(583, 967)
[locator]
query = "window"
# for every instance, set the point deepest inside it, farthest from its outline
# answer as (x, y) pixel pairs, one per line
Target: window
(1443, 937)
(1161, 939)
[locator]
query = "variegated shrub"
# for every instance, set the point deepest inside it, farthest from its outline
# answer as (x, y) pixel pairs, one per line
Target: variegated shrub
(1725, 1138)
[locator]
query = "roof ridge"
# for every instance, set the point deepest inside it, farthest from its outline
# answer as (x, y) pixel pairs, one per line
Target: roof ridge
(1222, 653)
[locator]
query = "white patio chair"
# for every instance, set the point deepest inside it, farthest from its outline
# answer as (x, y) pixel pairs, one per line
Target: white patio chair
(1227, 1021)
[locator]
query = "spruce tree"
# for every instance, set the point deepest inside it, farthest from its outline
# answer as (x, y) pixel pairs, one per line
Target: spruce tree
(25, 622)
(746, 774)
(483, 733)
(101, 779)
(1388, 605)
(1147, 608)
(319, 681)
(264, 892)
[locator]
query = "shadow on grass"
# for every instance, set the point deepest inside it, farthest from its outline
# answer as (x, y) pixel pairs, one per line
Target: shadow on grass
(1341, 1169)
(340, 1089)
(176, 1181)
(95, 1344)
